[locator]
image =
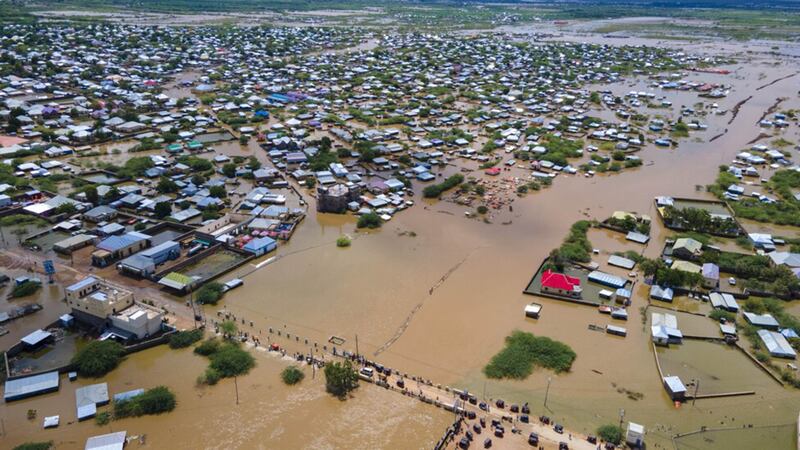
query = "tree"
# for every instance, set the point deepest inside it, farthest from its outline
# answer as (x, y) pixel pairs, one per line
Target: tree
(210, 293)
(167, 186)
(610, 433)
(229, 170)
(91, 195)
(229, 329)
(340, 378)
(163, 209)
(218, 191)
(98, 358)
(66, 208)
(230, 361)
(253, 163)
(369, 220)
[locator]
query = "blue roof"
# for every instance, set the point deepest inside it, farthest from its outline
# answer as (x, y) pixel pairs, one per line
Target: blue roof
(259, 243)
(114, 243)
(164, 246)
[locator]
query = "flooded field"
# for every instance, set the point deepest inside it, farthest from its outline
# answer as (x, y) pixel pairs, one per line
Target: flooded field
(268, 414)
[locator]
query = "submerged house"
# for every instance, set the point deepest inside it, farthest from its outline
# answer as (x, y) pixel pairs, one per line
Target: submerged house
(561, 284)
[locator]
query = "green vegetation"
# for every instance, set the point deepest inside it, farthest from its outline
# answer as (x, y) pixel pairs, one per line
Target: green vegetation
(665, 276)
(435, 190)
(523, 351)
(183, 339)
(231, 360)
(370, 220)
(699, 220)
(25, 289)
(210, 293)
(98, 358)
(292, 375)
(576, 247)
(785, 211)
(720, 314)
(610, 433)
(343, 241)
(757, 272)
(340, 378)
(208, 347)
(21, 219)
(103, 418)
(629, 223)
(35, 446)
(153, 401)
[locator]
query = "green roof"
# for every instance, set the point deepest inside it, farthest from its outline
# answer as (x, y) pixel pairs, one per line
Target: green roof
(176, 280)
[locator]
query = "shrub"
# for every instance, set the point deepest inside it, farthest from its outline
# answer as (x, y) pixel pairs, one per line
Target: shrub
(482, 209)
(25, 289)
(208, 347)
(35, 446)
(153, 401)
(210, 293)
(343, 241)
(292, 375)
(102, 418)
(210, 377)
(369, 220)
(98, 358)
(436, 190)
(183, 339)
(610, 433)
(523, 351)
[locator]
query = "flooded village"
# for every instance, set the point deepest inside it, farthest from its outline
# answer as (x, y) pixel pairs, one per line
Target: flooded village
(243, 233)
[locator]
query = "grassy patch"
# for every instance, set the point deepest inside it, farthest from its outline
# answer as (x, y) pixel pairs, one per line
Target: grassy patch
(524, 351)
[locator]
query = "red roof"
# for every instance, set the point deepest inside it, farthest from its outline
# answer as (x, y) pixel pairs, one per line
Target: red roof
(493, 171)
(555, 280)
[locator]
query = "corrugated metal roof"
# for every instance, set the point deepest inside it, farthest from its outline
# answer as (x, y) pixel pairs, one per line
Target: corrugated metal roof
(776, 344)
(86, 282)
(33, 385)
(111, 441)
(606, 279)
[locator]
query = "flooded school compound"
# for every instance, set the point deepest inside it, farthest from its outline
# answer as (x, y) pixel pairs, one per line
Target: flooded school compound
(227, 231)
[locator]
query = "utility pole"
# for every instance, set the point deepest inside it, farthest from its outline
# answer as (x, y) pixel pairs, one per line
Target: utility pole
(357, 354)
(621, 417)
(696, 388)
(236, 386)
(547, 392)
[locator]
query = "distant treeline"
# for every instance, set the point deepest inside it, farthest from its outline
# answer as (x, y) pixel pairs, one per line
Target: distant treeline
(571, 8)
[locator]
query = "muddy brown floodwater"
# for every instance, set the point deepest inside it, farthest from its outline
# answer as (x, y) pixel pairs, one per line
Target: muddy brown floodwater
(439, 304)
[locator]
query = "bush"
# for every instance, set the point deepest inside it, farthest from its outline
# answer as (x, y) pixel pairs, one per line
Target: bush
(230, 361)
(435, 190)
(610, 433)
(35, 446)
(482, 209)
(343, 241)
(102, 418)
(292, 375)
(183, 339)
(523, 351)
(719, 314)
(153, 401)
(210, 293)
(98, 358)
(369, 220)
(208, 347)
(25, 289)
(21, 219)
(209, 377)
(340, 378)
